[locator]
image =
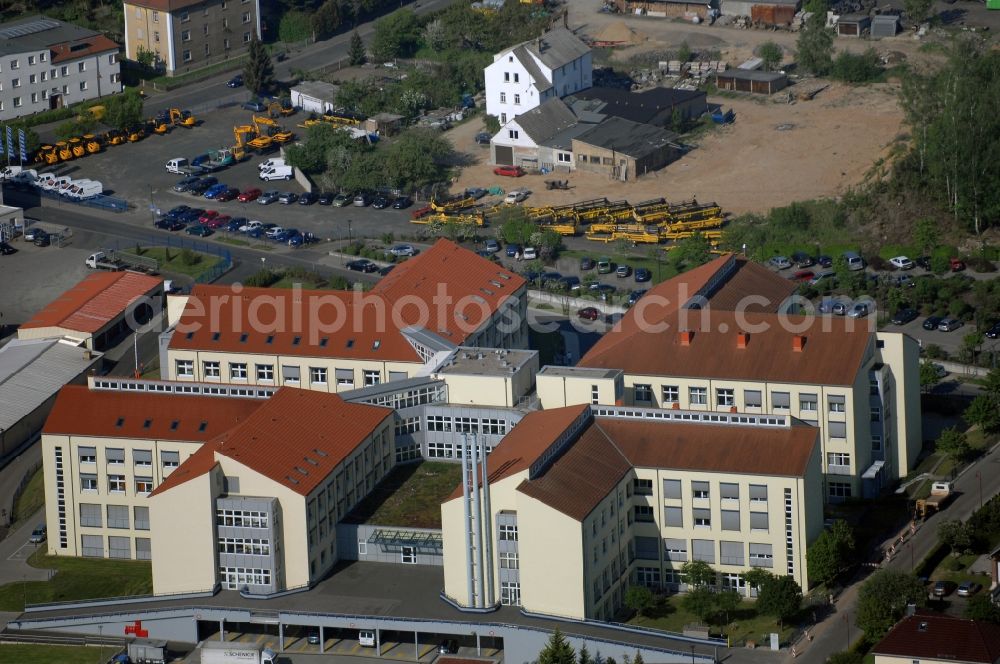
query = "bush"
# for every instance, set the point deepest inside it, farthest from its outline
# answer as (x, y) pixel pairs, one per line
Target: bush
(294, 27)
(189, 257)
(261, 279)
(853, 68)
(878, 263)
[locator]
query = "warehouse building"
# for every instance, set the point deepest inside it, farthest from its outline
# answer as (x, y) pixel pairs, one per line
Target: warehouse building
(665, 8)
(656, 106)
(315, 96)
(768, 12)
(630, 494)
(624, 150)
(744, 80)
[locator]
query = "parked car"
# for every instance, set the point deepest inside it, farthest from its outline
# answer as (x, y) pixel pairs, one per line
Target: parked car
(234, 224)
(362, 265)
(549, 279)
(250, 225)
(923, 262)
(642, 275)
(172, 213)
(904, 316)
(570, 283)
(825, 261)
(362, 199)
(212, 192)
(840, 308)
(942, 588)
(380, 202)
(168, 224)
(475, 192)
(803, 276)
(448, 647)
(44, 239)
(634, 296)
(530, 253)
(325, 198)
(401, 250)
(482, 138)
(779, 262)
(341, 199)
(859, 310)
(207, 216)
(229, 194)
(604, 265)
(203, 185)
(235, 81)
(191, 216)
(603, 289)
(968, 588)
(251, 194)
(255, 105)
(288, 197)
(902, 263)
(932, 322)
(589, 313)
(509, 171)
(492, 246)
(38, 534)
(268, 197)
(802, 259)
(939, 370)
(219, 222)
(515, 196)
(994, 331)
(513, 250)
(623, 271)
(401, 203)
(587, 263)
(956, 264)
(313, 637)
(950, 324)
(185, 183)
(903, 281)
(201, 230)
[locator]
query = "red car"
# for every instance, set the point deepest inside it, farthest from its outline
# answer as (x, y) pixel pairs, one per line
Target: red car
(219, 222)
(249, 195)
(228, 195)
(803, 276)
(208, 216)
(956, 264)
(589, 313)
(509, 171)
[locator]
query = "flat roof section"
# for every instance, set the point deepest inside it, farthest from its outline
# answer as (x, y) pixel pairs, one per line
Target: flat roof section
(486, 362)
(579, 372)
(410, 496)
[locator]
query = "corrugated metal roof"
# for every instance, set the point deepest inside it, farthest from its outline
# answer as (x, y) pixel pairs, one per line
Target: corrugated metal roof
(626, 137)
(33, 370)
(94, 302)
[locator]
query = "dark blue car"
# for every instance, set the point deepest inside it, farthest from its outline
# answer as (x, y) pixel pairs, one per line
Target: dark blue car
(215, 190)
(513, 250)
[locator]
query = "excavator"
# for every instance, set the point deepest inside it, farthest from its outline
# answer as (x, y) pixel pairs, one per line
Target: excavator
(282, 108)
(248, 138)
(161, 123)
(135, 133)
(182, 118)
(115, 137)
(266, 127)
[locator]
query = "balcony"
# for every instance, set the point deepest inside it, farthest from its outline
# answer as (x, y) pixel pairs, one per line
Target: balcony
(837, 469)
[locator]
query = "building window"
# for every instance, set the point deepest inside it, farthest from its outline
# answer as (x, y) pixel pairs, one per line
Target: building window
(83, 86)
(729, 491)
(185, 17)
(246, 17)
(185, 35)
(725, 397)
(758, 493)
(506, 76)
(671, 394)
(564, 157)
(345, 378)
(876, 415)
(156, 36)
(409, 555)
(32, 79)
(372, 377)
(838, 459)
(64, 71)
(503, 97)
(119, 547)
(31, 60)
(676, 549)
(186, 56)
(760, 555)
(265, 372)
(14, 64)
(876, 443)
(643, 487)
(730, 519)
(836, 404)
(42, 57)
(517, 77)
(780, 400)
(156, 17)
(759, 521)
(88, 483)
(34, 97)
(142, 549)
(507, 532)
(81, 67)
(116, 483)
(837, 429)
(211, 369)
(644, 513)
(237, 371)
(752, 399)
(44, 76)
(517, 100)
(246, 37)
(839, 490)
(673, 517)
(807, 402)
(185, 368)
(503, 118)
(170, 459)
(143, 485)
(698, 396)
(117, 516)
(508, 560)
(699, 490)
(644, 393)
(702, 518)
(204, 29)
(595, 395)
(90, 516)
(510, 593)
(513, 133)
(15, 82)
(140, 518)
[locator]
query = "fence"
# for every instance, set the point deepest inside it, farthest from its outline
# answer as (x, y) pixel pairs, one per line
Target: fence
(21, 486)
(100, 201)
(171, 242)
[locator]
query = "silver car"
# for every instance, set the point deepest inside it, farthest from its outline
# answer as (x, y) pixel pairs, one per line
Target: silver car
(780, 262)
(268, 197)
(401, 250)
(38, 535)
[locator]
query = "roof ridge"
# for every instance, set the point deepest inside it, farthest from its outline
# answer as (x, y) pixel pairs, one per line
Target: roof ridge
(612, 442)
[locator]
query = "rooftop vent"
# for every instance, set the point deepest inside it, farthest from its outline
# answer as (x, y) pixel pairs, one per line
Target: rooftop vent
(742, 339)
(686, 336)
(922, 627)
(798, 343)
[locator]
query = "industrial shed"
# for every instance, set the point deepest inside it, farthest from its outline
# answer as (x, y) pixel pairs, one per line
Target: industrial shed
(624, 150)
(761, 82)
(665, 8)
(772, 12)
(884, 25)
(314, 96)
(655, 106)
(853, 25)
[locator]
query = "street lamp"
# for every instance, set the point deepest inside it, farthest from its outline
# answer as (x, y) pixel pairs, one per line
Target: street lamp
(979, 476)
(350, 240)
(692, 654)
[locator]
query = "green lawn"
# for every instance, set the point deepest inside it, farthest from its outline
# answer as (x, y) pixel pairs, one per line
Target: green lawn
(32, 499)
(410, 496)
(640, 258)
(78, 578)
(19, 653)
(171, 260)
(744, 624)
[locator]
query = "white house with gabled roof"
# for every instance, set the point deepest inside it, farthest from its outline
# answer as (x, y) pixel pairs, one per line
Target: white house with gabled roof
(524, 76)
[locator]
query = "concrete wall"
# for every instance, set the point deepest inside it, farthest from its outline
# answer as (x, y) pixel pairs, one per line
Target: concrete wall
(552, 575)
(556, 391)
(902, 353)
(184, 543)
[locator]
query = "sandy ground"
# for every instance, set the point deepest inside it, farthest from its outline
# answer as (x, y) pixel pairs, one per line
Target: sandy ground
(822, 147)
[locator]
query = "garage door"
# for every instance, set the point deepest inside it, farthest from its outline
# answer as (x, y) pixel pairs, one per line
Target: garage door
(504, 155)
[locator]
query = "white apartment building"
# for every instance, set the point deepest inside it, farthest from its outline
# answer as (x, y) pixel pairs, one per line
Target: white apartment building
(524, 76)
(46, 64)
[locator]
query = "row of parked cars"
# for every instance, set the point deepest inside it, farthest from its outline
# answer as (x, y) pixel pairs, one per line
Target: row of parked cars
(202, 223)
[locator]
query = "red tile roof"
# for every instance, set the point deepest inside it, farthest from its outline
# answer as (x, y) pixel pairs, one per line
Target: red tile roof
(80, 411)
(647, 341)
(432, 290)
(928, 636)
(349, 322)
(296, 438)
(94, 302)
(83, 48)
(609, 447)
(473, 285)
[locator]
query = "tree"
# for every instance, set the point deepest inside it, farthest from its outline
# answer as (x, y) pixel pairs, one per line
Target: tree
(815, 42)
(326, 19)
(984, 412)
(700, 601)
(491, 124)
(516, 229)
(436, 35)
(781, 597)
(928, 376)
(918, 10)
(957, 535)
(728, 601)
(356, 54)
(557, 650)
(121, 111)
(771, 54)
(684, 52)
(396, 36)
(145, 57)
(757, 577)
(825, 558)
(954, 444)
(883, 598)
(417, 157)
(856, 67)
(310, 154)
(584, 656)
(697, 573)
(981, 607)
(692, 251)
(639, 598)
(926, 234)
(294, 27)
(258, 73)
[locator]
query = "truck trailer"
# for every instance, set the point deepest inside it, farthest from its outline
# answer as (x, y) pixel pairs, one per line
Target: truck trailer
(226, 652)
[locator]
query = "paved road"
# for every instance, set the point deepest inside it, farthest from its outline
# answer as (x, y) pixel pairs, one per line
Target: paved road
(977, 484)
(315, 56)
(15, 550)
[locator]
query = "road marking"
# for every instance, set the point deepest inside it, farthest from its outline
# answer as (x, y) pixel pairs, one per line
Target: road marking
(23, 552)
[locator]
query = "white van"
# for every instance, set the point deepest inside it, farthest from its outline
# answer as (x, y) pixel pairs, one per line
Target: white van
(366, 638)
(854, 261)
(268, 164)
(277, 173)
(55, 184)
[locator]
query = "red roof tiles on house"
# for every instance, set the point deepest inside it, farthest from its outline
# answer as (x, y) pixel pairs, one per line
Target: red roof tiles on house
(296, 438)
(80, 411)
(473, 286)
(934, 636)
(83, 48)
(94, 302)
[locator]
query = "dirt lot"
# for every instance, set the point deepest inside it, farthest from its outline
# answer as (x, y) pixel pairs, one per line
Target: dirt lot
(822, 147)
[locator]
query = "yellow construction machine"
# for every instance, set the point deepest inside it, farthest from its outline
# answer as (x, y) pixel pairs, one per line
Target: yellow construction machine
(182, 118)
(77, 146)
(266, 127)
(92, 143)
(49, 154)
(65, 152)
